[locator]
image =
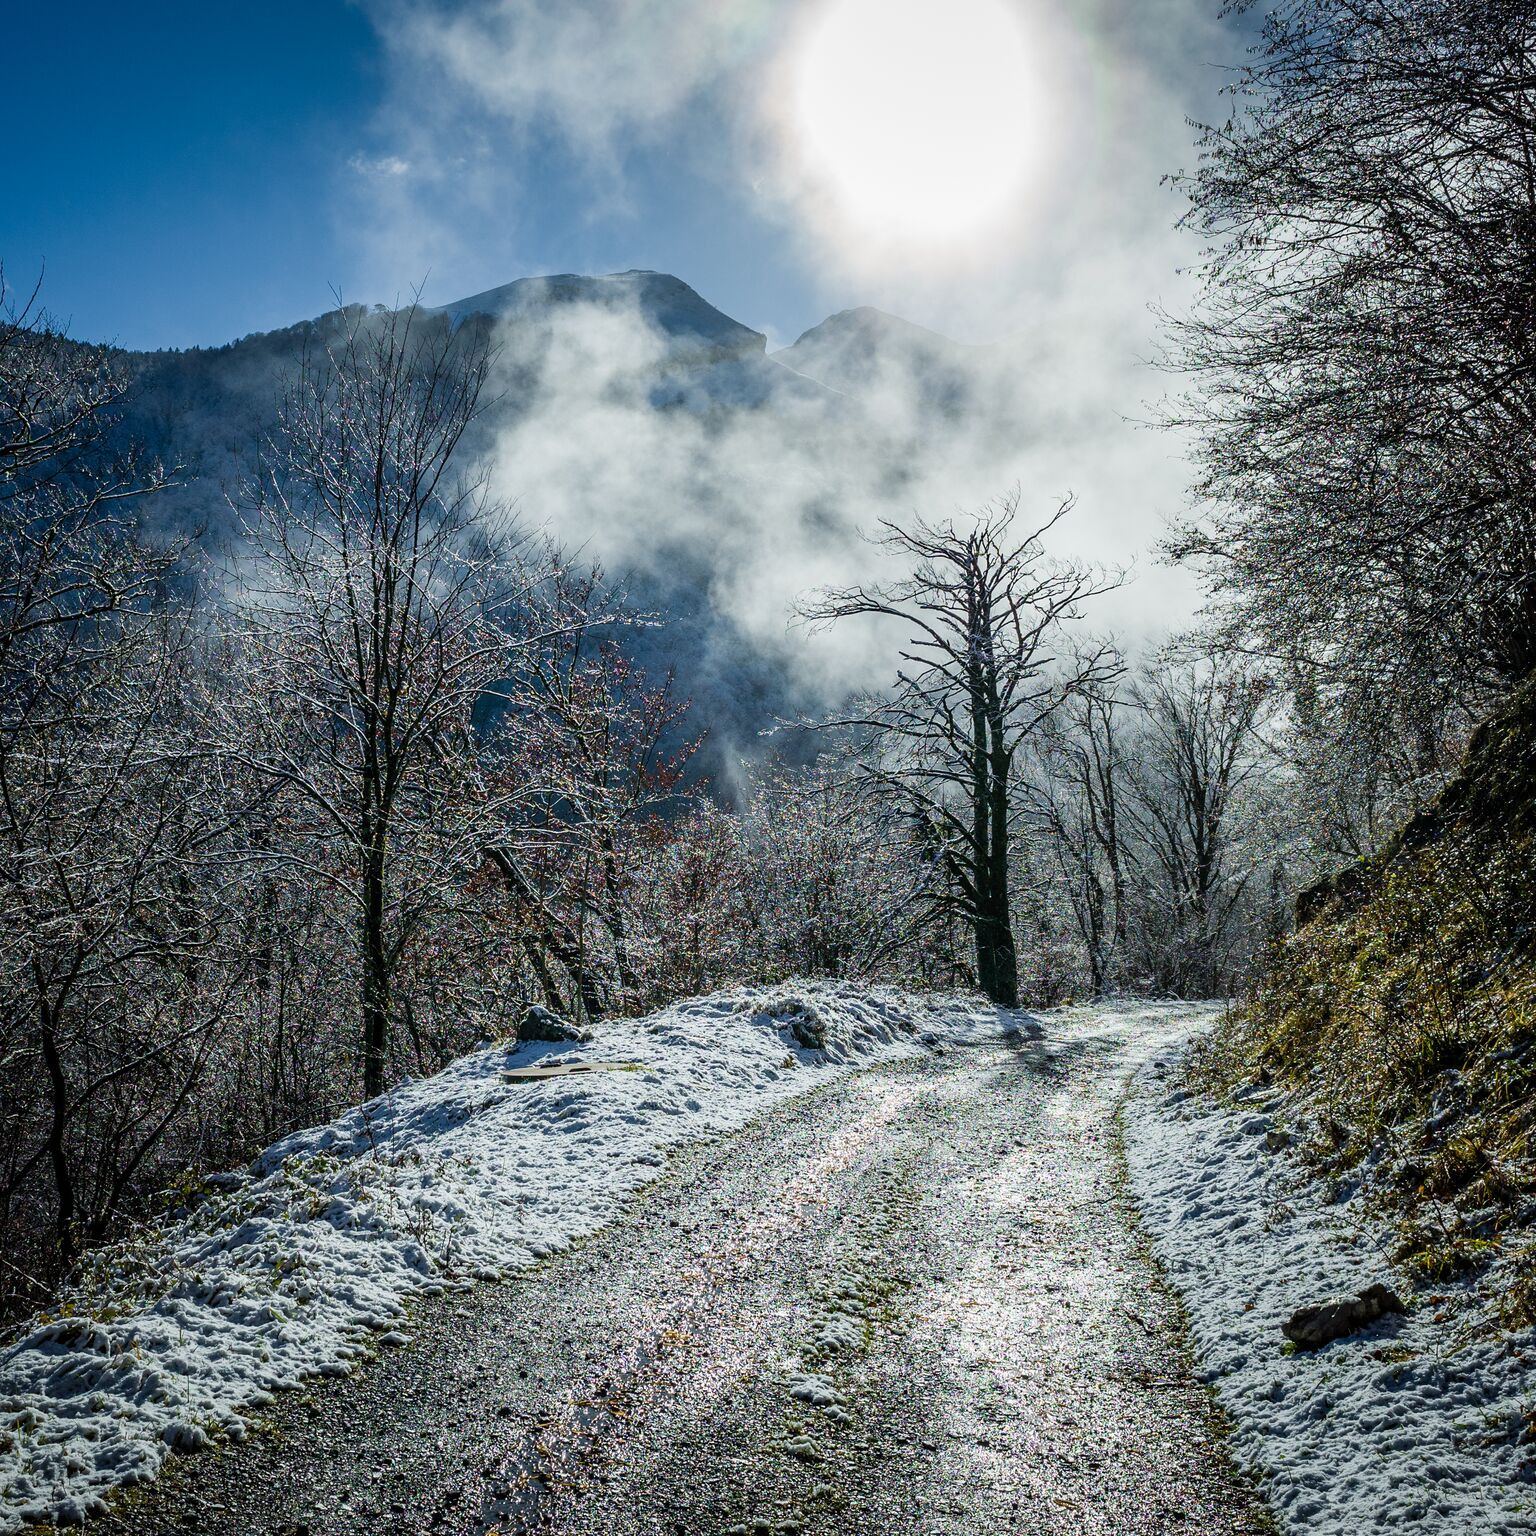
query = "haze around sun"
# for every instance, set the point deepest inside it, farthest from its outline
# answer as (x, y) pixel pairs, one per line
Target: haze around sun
(913, 123)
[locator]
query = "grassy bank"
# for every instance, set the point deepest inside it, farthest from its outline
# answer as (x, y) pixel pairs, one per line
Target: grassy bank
(1401, 1018)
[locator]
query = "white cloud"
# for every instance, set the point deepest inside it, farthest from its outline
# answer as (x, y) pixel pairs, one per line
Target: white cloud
(379, 165)
(479, 94)
(762, 505)
(594, 69)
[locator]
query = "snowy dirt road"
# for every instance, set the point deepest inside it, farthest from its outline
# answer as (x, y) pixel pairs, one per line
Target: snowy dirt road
(910, 1301)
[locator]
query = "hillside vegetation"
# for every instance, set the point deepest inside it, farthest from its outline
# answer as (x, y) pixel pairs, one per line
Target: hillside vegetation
(1401, 1018)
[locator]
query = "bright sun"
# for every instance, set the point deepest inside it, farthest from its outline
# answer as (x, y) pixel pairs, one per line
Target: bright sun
(919, 117)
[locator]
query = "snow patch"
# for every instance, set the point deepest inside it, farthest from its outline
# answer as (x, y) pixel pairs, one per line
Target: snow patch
(1416, 1422)
(302, 1267)
(813, 1388)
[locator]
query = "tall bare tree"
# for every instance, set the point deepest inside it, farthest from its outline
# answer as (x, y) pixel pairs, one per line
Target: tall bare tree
(383, 614)
(1079, 794)
(1196, 753)
(983, 662)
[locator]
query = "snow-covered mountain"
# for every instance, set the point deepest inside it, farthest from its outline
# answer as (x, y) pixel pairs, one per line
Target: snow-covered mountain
(697, 332)
(636, 421)
(703, 359)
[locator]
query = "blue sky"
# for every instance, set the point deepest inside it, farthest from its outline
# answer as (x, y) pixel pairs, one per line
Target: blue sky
(992, 169)
(188, 180)
(197, 171)
(180, 160)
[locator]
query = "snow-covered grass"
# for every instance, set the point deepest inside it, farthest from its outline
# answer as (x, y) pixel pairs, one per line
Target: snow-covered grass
(1420, 1421)
(303, 1265)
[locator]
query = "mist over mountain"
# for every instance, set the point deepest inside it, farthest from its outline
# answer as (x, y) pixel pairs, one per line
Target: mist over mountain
(862, 352)
(634, 422)
(697, 332)
(705, 358)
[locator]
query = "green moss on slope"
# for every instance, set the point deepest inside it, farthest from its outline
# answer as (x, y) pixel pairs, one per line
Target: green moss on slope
(1401, 1015)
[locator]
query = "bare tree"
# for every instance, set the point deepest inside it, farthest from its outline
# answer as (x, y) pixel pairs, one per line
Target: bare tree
(602, 751)
(1078, 795)
(1364, 351)
(106, 1015)
(982, 665)
(689, 917)
(68, 552)
(1196, 753)
(834, 885)
(383, 615)
(115, 926)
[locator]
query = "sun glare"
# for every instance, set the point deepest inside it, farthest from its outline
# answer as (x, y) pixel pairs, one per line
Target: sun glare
(920, 118)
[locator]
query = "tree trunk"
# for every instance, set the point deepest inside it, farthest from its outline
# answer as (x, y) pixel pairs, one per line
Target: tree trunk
(996, 960)
(997, 965)
(982, 924)
(375, 975)
(1093, 901)
(58, 1158)
(565, 947)
(1006, 975)
(614, 913)
(997, 954)
(542, 973)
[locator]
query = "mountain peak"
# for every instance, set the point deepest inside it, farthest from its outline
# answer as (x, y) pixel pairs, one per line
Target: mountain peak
(867, 321)
(864, 350)
(665, 302)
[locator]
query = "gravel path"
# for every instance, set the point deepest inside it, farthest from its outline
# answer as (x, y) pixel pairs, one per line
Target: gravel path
(910, 1301)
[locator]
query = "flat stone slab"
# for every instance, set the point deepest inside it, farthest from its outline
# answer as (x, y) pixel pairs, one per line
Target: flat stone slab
(1337, 1317)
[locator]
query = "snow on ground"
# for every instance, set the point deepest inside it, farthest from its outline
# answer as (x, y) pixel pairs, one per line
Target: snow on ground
(1416, 1422)
(302, 1266)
